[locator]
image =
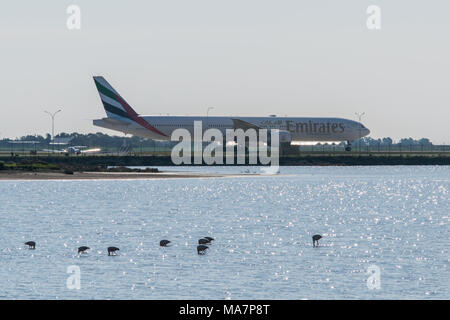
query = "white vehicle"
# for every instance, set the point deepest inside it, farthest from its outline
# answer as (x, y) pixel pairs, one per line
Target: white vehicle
(77, 150)
(121, 117)
(81, 150)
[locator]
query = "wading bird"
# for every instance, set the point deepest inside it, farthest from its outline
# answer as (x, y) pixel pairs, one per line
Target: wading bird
(31, 244)
(204, 241)
(201, 249)
(316, 239)
(83, 249)
(112, 251)
(164, 243)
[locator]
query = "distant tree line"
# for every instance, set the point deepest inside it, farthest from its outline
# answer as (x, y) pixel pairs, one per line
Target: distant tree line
(368, 141)
(98, 139)
(103, 140)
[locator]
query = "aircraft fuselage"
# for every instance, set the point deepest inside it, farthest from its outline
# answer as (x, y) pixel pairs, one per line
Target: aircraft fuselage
(300, 129)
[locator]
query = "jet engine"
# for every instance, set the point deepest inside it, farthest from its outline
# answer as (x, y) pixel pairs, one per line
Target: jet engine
(284, 136)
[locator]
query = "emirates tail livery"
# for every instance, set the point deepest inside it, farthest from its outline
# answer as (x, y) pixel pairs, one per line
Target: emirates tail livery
(120, 116)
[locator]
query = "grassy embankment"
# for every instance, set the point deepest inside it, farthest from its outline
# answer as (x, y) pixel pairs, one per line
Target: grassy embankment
(68, 164)
(66, 167)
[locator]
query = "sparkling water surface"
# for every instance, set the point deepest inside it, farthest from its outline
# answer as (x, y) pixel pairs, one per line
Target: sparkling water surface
(396, 218)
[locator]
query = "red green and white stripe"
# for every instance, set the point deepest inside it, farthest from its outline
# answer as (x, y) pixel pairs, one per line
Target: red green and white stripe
(116, 107)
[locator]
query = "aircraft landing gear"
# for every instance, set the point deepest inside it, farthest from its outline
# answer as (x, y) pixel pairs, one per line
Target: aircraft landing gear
(348, 146)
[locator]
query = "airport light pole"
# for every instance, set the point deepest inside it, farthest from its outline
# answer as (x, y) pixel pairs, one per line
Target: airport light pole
(207, 116)
(360, 115)
(207, 111)
(52, 115)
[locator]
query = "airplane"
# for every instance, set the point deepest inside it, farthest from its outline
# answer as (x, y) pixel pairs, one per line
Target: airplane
(120, 116)
(77, 150)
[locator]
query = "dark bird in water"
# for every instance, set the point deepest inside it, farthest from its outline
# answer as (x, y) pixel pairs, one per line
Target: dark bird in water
(31, 244)
(112, 251)
(164, 243)
(209, 238)
(83, 249)
(201, 249)
(316, 239)
(204, 241)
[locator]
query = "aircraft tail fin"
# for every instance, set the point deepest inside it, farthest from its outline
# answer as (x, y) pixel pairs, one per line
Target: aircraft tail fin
(115, 106)
(117, 109)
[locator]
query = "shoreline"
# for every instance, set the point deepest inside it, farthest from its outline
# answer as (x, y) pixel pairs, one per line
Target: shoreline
(20, 175)
(102, 162)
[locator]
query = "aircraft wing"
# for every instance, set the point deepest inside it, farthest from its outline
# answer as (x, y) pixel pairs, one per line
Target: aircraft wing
(244, 125)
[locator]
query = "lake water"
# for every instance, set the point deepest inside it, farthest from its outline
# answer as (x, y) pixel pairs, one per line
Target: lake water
(393, 218)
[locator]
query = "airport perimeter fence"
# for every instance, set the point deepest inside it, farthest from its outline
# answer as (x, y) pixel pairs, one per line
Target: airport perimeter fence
(30, 149)
(395, 148)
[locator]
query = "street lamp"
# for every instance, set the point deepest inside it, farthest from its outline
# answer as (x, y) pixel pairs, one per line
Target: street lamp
(207, 115)
(207, 111)
(360, 115)
(53, 127)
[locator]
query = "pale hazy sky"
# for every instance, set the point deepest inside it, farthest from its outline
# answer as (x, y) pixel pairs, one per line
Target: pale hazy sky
(244, 57)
